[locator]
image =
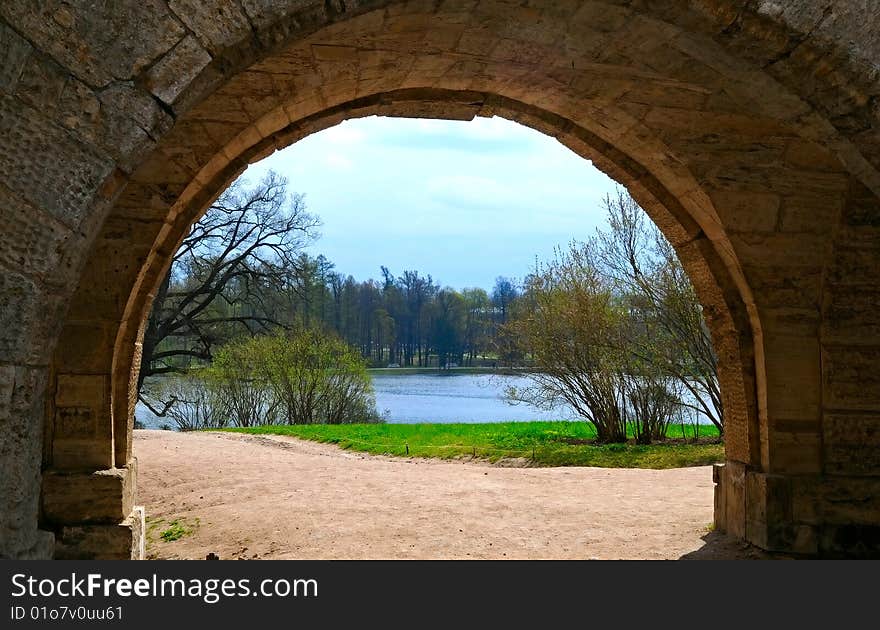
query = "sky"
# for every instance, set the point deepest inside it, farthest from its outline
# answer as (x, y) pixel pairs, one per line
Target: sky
(463, 201)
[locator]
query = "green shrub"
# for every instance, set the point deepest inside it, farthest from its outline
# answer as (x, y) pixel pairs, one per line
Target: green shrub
(302, 377)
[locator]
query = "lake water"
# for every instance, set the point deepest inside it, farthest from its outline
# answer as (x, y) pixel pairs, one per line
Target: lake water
(413, 398)
(454, 398)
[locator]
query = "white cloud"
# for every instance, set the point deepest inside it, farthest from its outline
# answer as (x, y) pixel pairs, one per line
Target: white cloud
(415, 188)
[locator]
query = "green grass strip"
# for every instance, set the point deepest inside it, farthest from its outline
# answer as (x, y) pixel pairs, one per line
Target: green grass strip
(540, 443)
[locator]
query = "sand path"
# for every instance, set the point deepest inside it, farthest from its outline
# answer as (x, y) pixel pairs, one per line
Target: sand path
(277, 497)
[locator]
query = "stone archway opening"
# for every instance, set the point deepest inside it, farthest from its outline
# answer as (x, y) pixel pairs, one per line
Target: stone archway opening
(156, 498)
(747, 133)
(694, 247)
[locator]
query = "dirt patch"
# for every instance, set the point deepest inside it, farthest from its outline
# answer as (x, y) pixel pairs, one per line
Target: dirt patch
(281, 497)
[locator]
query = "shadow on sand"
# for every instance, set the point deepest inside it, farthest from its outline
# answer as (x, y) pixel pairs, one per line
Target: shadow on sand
(718, 546)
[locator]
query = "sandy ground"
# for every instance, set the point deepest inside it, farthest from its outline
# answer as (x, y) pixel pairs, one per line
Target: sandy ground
(278, 497)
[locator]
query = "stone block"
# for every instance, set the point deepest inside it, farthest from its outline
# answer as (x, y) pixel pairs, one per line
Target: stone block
(734, 485)
(778, 287)
(851, 377)
(131, 120)
(809, 213)
(720, 514)
(851, 443)
(83, 436)
(806, 505)
(83, 346)
(19, 316)
(793, 252)
(851, 312)
(43, 547)
(216, 24)
(756, 510)
(97, 41)
(21, 427)
(273, 122)
(34, 243)
(794, 383)
(796, 538)
(168, 78)
(41, 83)
(850, 500)
(79, 405)
(803, 322)
(83, 454)
(60, 176)
(770, 523)
(746, 211)
(805, 154)
(796, 451)
(14, 52)
(122, 541)
(265, 12)
(103, 496)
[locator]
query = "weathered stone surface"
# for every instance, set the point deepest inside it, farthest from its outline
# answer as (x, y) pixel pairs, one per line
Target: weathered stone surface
(719, 499)
(852, 380)
(130, 121)
(19, 313)
(175, 70)
(59, 176)
(98, 42)
(83, 435)
(217, 24)
(264, 12)
(852, 443)
(14, 52)
(749, 132)
(33, 243)
(730, 502)
(41, 83)
(770, 523)
(21, 429)
(747, 211)
(103, 496)
(123, 541)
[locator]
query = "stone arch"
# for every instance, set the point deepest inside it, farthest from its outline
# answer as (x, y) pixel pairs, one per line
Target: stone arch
(762, 180)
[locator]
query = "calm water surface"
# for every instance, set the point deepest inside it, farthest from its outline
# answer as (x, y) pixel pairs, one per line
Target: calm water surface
(413, 398)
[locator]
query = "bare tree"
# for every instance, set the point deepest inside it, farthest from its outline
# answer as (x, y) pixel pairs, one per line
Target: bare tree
(572, 329)
(642, 263)
(226, 274)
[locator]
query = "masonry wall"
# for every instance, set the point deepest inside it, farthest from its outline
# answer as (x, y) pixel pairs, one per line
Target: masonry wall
(748, 131)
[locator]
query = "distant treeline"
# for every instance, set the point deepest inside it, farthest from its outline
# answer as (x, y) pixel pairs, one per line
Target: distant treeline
(407, 320)
(243, 271)
(612, 324)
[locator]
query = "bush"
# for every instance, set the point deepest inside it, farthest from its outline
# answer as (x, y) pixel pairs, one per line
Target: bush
(653, 403)
(190, 402)
(305, 377)
(318, 379)
(238, 380)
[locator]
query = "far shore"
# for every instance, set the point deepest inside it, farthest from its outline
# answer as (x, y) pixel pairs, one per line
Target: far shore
(402, 371)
